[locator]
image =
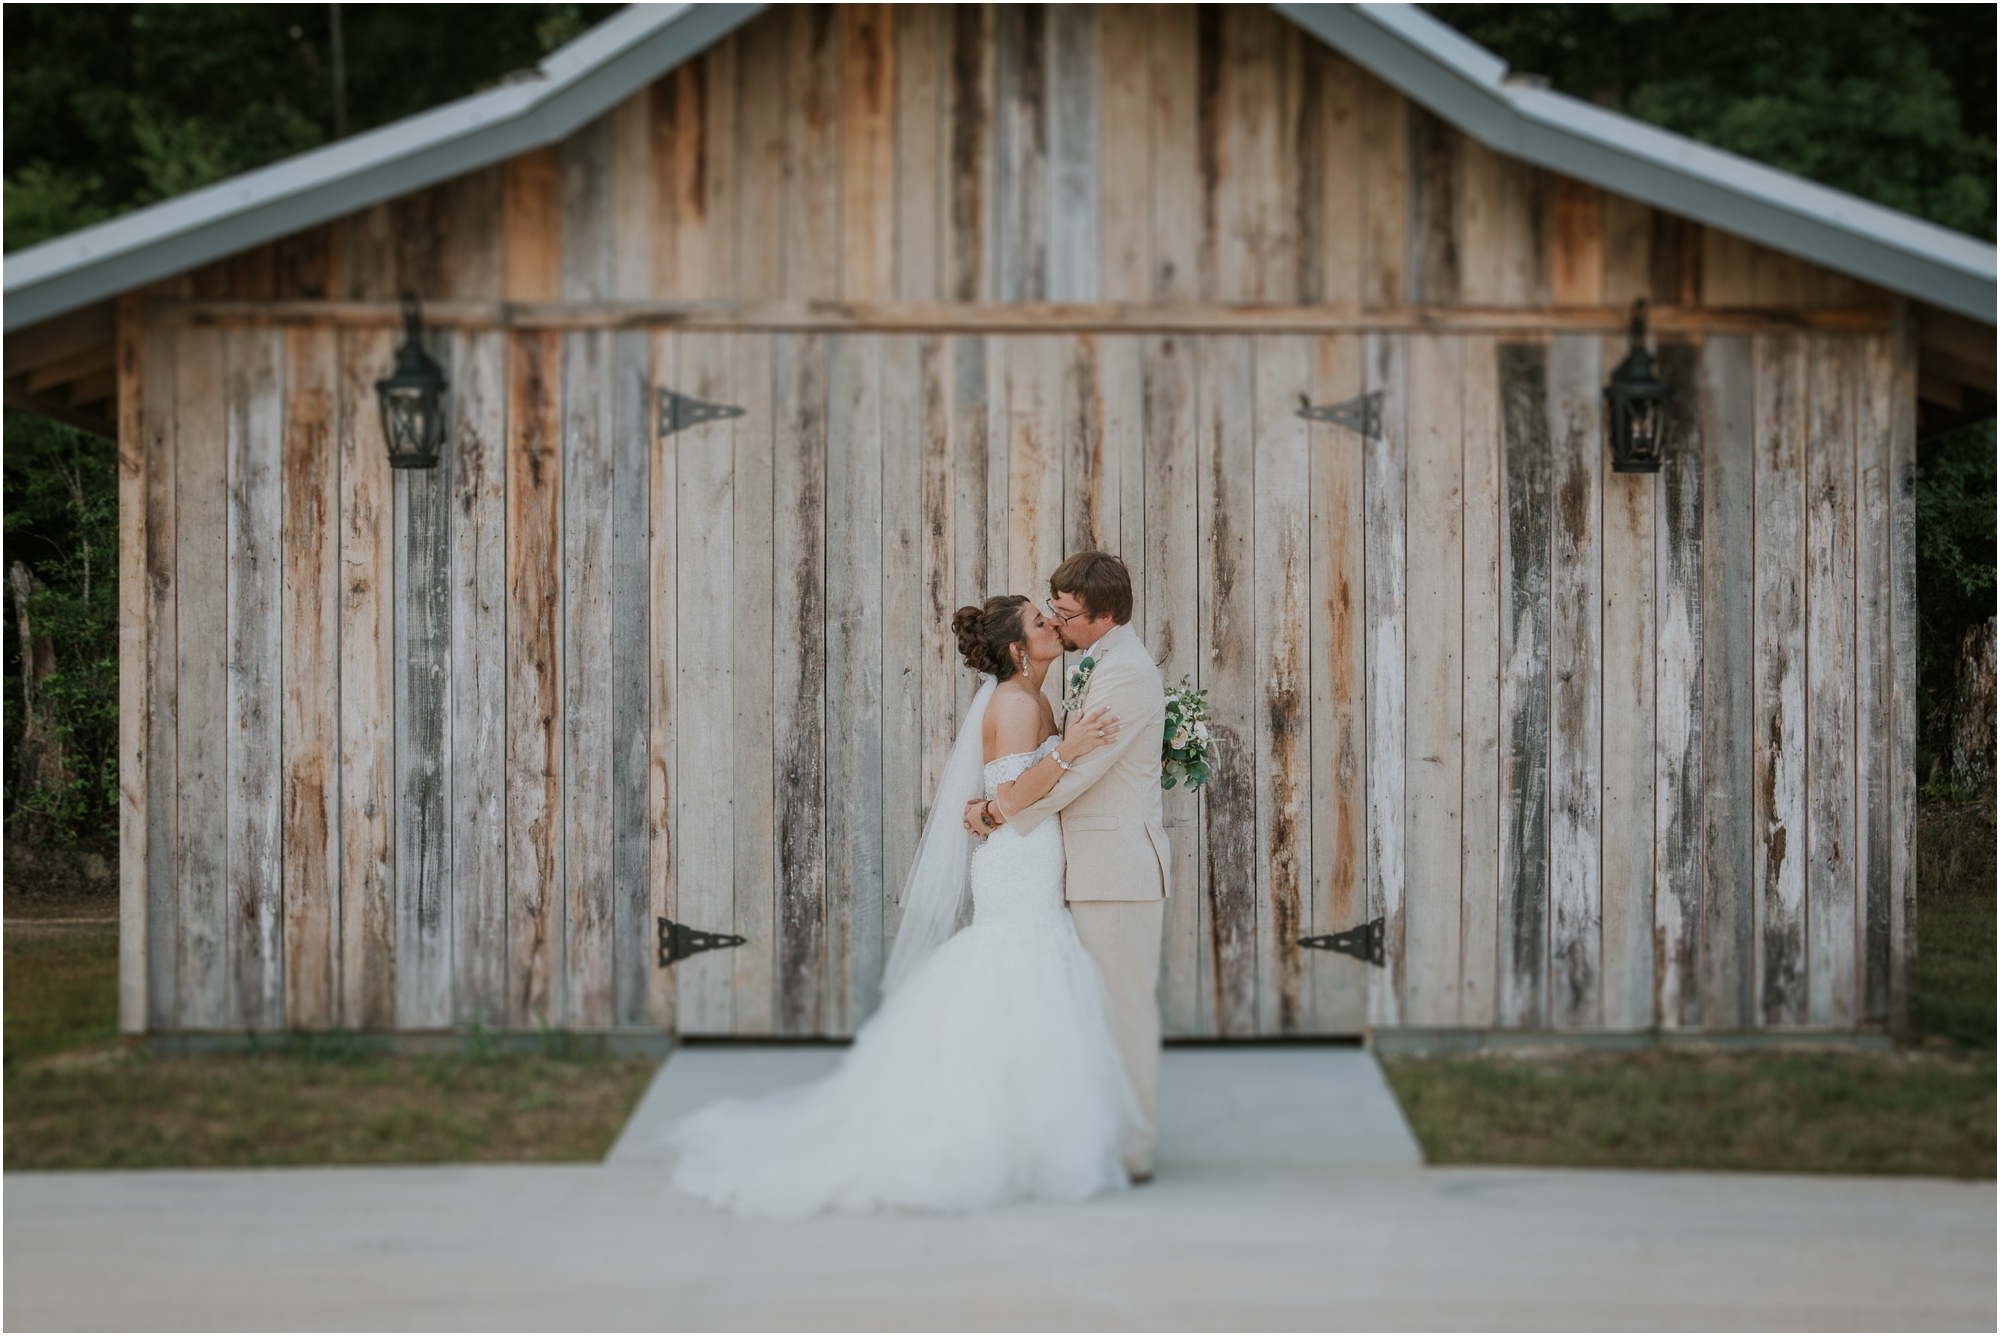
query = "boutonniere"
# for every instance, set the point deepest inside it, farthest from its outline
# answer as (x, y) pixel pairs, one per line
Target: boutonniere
(1079, 678)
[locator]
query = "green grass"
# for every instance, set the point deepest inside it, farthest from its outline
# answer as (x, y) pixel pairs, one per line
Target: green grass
(1914, 1112)
(1955, 923)
(62, 989)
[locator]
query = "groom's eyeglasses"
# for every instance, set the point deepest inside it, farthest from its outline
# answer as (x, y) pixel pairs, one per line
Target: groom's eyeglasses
(1050, 609)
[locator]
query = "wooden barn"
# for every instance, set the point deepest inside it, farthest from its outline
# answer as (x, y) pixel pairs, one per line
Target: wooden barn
(774, 334)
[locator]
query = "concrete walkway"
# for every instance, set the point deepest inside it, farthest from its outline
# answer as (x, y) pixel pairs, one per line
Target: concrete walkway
(1252, 1223)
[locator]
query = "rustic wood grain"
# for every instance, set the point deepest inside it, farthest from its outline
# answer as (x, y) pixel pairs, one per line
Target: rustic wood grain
(631, 423)
(1034, 513)
(1628, 252)
(1677, 693)
(1576, 648)
(1778, 721)
(1675, 256)
(1628, 747)
(255, 687)
(1124, 151)
(1250, 197)
(1177, 154)
(1485, 529)
(1121, 380)
(759, 229)
(975, 454)
(1385, 166)
(1170, 562)
(1332, 195)
(1524, 688)
(478, 404)
(1075, 254)
(812, 92)
(1725, 269)
(1874, 672)
(1433, 761)
(309, 671)
(868, 704)
(367, 692)
(681, 235)
(535, 680)
(1385, 575)
(1435, 173)
(1728, 525)
(587, 913)
(1226, 389)
(969, 185)
(1091, 478)
(918, 382)
(753, 627)
(201, 788)
(162, 424)
(133, 683)
(1021, 153)
(1575, 239)
(533, 198)
(868, 168)
(476, 205)
(1832, 919)
(922, 222)
(663, 690)
(632, 194)
(799, 662)
(1903, 691)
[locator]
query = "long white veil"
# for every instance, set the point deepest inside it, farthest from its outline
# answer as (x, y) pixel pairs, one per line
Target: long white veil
(934, 893)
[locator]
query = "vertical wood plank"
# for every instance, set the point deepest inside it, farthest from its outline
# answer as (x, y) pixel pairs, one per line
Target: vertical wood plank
(753, 633)
(761, 89)
(1339, 983)
(1124, 151)
(1832, 922)
(1226, 372)
(1677, 687)
(664, 686)
(255, 685)
(869, 193)
(1021, 176)
(1902, 395)
(535, 679)
(202, 533)
(1629, 747)
(1333, 196)
(1121, 383)
(922, 224)
(478, 701)
(973, 460)
(1090, 462)
(1281, 495)
(1433, 759)
(1075, 272)
(1385, 166)
(587, 580)
(1728, 526)
(1169, 571)
(1485, 606)
(918, 727)
(798, 657)
(133, 681)
(1628, 251)
(1434, 178)
(162, 424)
(704, 720)
(812, 91)
(1725, 269)
(632, 611)
(969, 110)
(1675, 256)
(1524, 687)
(1576, 243)
(584, 231)
(1034, 511)
(1177, 153)
(1874, 673)
(533, 189)
(476, 205)
(680, 179)
(1386, 572)
(1576, 704)
(872, 652)
(1779, 720)
(1260, 104)
(309, 669)
(722, 167)
(367, 691)
(632, 194)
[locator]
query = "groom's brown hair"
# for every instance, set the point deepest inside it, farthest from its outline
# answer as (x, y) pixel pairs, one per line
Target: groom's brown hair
(1100, 582)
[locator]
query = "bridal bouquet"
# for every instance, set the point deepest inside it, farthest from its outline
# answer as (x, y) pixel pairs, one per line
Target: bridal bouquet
(1186, 749)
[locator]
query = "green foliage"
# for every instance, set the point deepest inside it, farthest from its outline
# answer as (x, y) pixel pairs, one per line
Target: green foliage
(1890, 102)
(62, 526)
(110, 107)
(1955, 553)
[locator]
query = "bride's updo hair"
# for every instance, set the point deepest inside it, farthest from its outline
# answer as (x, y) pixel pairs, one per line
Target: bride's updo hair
(988, 633)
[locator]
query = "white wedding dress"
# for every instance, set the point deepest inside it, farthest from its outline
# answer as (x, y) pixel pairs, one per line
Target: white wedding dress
(988, 1074)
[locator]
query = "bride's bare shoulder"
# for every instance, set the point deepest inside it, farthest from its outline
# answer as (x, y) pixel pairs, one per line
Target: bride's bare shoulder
(1013, 722)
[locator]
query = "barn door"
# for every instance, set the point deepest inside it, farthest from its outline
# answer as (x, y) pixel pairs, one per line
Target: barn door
(840, 495)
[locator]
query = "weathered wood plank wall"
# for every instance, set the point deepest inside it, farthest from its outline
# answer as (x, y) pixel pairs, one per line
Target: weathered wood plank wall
(1600, 750)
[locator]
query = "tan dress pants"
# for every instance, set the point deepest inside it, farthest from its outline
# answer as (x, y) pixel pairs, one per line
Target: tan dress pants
(1123, 936)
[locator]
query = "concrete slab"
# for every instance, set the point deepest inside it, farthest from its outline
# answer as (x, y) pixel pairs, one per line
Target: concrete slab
(1256, 1104)
(1233, 1246)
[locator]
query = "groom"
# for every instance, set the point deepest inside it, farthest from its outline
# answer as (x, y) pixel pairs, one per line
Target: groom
(1114, 834)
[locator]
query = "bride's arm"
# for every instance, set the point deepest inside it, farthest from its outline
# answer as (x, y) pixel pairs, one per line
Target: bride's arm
(1096, 729)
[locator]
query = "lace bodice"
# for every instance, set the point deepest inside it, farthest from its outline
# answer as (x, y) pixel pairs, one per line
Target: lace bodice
(1007, 769)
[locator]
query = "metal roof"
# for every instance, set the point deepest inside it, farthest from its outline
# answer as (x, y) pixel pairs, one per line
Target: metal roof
(1418, 55)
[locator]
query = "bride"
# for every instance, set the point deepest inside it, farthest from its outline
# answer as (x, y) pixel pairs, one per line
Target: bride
(988, 1073)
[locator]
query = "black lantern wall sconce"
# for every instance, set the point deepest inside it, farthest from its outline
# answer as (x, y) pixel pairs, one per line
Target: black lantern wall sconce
(1638, 405)
(411, 398)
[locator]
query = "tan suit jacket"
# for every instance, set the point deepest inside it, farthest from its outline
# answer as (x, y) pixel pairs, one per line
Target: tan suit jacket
(1113, 824)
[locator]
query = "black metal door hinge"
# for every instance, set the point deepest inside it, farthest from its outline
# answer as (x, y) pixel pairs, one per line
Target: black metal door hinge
(678, 941)
(1362, 414)
(1363, 942)
(678, 412)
